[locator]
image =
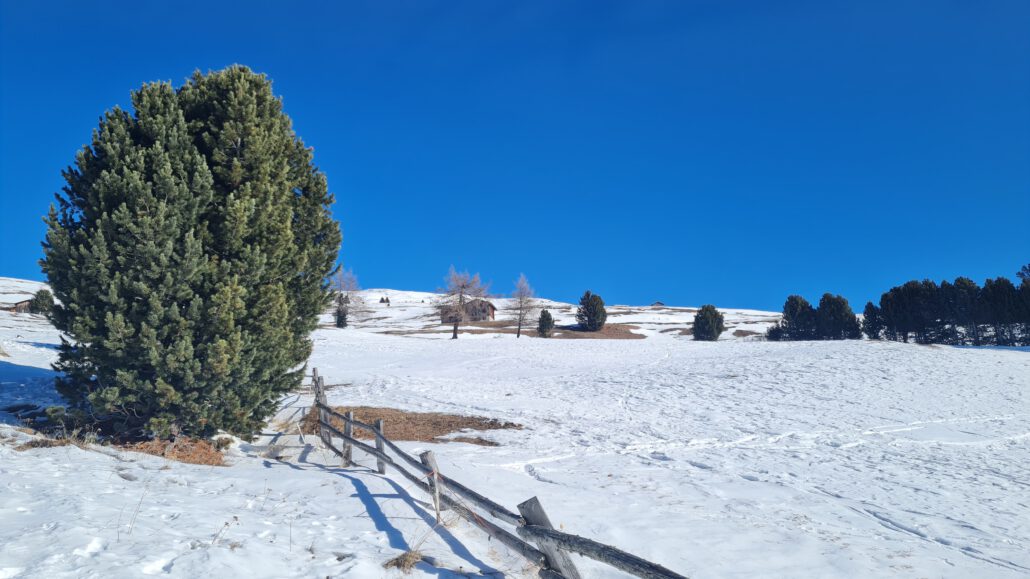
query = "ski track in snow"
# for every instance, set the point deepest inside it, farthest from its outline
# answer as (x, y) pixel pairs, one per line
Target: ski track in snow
(730, 459)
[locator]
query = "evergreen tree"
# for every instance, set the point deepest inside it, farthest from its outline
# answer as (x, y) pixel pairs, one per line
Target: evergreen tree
(1024, 274)
(591, 314)
(342, 307)
(190, 251)
(799, 321)
(1024, 317)
(545, 324)
(835, 320)
(872, 323)
(1000, 301)
(965, 311)
(42, 302)
(708, 324)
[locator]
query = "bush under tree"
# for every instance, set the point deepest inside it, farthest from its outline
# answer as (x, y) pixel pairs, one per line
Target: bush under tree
(42, 302)
(545, 325)
(591, 314)
(708, 324)
(190, 251)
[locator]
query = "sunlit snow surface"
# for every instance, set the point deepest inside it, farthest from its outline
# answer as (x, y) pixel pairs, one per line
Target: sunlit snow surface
(728, 459)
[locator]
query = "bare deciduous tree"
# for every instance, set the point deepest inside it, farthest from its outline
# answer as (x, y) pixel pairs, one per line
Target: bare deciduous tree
(523, 303)
(348, 303)
(460, 289)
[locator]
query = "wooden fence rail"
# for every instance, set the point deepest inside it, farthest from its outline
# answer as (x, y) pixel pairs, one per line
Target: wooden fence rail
(552, 546)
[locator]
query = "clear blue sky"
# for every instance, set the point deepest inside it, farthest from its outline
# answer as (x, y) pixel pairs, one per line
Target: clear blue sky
(692, 152)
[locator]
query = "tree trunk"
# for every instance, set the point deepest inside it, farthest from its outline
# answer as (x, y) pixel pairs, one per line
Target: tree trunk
(454, 336)
(518, 332)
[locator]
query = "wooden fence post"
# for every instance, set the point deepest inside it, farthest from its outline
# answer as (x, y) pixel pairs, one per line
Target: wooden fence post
(434, 480)
(380, 465)
(557, 559)
(348, 430)
(319, 383)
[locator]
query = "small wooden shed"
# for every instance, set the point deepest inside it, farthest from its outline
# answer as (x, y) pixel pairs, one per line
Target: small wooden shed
(475, 311)
(21, 307)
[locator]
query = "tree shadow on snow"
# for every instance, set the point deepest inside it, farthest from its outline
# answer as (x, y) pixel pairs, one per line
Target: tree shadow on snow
(371, 502)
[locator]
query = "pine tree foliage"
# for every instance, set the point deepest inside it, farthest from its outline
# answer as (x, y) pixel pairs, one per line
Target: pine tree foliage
(835, 320)
(42, 302)
(708, 324)
(190, 252)
(591, 314)
(798, 322)
(545, 325)
(960, 312)
(872, 322)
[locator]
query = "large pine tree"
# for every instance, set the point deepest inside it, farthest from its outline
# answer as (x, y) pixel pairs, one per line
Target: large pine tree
(835, 320)
(189, 251)
(591, 314)
(708, 324)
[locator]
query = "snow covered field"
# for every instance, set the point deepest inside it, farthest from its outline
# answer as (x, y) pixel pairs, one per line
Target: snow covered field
(729, 459)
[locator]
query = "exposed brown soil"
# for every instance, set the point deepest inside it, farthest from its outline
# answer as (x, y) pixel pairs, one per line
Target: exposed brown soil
(404, 425)
(744, 333)
(608, 332)
(188, 450)
(679, 331)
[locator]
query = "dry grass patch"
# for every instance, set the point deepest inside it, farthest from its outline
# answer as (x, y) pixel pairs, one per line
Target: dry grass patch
(405, 561)
(418, 426)
(608, 332)
(745, 333)
(183, 449)
(43, 443)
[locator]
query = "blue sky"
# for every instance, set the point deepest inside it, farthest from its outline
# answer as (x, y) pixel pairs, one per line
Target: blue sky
(692, 152)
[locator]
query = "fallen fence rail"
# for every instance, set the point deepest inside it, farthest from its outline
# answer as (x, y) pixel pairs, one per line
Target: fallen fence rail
(552, 546)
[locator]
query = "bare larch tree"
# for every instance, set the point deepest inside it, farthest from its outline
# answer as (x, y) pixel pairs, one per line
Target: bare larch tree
(461, 288)
(348, 303)
(523, 303)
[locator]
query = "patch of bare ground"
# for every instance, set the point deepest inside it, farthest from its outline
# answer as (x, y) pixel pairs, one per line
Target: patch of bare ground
(679, 331)
(182, 449)
(608, 332)
(745, 333)
(404, 425)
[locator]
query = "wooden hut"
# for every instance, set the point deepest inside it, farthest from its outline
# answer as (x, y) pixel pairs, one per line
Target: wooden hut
(475, 311)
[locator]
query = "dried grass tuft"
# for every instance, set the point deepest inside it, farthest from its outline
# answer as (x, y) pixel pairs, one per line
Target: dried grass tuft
(405, 561)
(182, 449)
(43, 443)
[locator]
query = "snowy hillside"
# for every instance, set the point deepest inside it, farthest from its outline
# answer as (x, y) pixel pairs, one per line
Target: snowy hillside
(415, 314)
(738, 458)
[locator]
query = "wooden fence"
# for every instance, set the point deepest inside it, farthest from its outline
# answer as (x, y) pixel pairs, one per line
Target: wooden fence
(536, 538)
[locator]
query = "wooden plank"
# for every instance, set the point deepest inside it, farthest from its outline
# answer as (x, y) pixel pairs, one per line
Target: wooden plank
(598, 551)
(468, 494)
(320, 402)
(434, 480)
(521, 547)
(347, 434)
(557, 559)
(380, 465)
